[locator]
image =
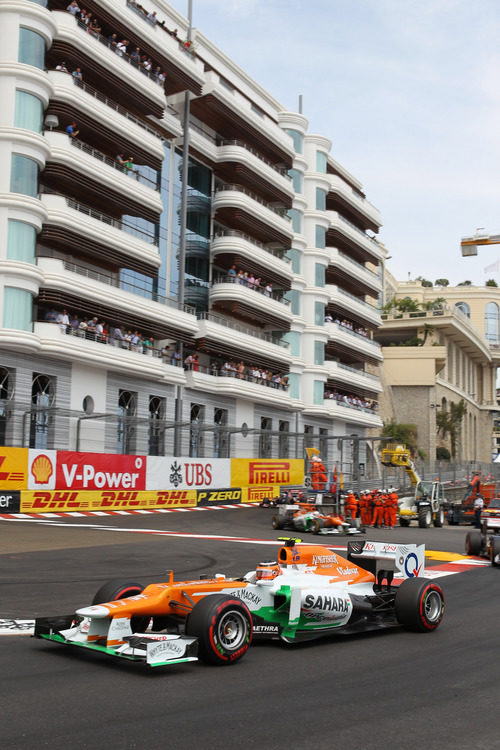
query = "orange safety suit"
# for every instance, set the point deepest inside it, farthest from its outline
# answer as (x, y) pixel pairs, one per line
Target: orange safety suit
(394, 508)
(387, 509)
(378, 511)
(368, 509)
(318, 475)
(351, 505)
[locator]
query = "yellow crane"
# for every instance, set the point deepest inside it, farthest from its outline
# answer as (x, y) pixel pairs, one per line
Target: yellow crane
(469, 245)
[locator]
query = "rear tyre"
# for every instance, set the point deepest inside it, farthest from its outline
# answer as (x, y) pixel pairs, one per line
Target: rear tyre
(223, 626)
(419, 605)
(315, 525)
(473, 543)
(495, 551)
(439, 518)
(276, 523)
(119, 589)
(424, 517)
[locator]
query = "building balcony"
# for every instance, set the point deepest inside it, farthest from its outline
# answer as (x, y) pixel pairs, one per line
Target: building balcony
(348, 236)
(353, 306)
(232, 247)
(72, 286)
(250, 303)
(343, 374)
(355, 274)
(351, 414)
(239, 208)
(76, 229)
(348, 341)
(351, 200)
(225, 337)
(246, 388)
(72, 162)
(101, 118)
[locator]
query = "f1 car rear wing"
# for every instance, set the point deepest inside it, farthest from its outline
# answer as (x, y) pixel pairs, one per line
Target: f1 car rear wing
(402, 560)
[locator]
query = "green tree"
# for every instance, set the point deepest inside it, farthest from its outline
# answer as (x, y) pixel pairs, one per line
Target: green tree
(465, 283)
(401, 432)
(424, 282)
(448, 423)
(491, 282)
(442, 282)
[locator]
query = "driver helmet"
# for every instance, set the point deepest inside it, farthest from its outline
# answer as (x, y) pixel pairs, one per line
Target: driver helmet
(267, 570)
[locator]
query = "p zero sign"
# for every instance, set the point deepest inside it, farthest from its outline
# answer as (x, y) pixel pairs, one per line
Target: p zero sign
(97, 471)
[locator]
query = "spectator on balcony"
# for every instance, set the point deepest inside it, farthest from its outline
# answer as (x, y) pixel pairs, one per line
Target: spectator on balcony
(161, 77)
(175, 358)
(121, 161)
(71, 130)
(62, 67)
(86, 17)
(99, 330)
(188, 362)
(195, 365)
(251, 281)
(121, 47)
(113, 40)
(74, 323)
(268, 290)
(51, 316)
(328, 318)
(232, 272)
(118, 336)
(147, 64)
(135, 341)
(94, 27)
(73, 8)
(82, 328)
(129, 165)
(63, 320)
(77, 73)
(152, 17)
(135, 56)
(240, 370)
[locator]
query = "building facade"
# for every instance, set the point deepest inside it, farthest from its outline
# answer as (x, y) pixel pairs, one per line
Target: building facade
(437, 356)
(230, 312)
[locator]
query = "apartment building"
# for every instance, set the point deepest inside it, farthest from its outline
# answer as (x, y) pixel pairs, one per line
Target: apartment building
(230, 314)
(443, 351)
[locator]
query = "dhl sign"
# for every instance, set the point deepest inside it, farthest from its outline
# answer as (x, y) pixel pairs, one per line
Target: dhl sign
(254, 472)
(41, 501)
(13, 468)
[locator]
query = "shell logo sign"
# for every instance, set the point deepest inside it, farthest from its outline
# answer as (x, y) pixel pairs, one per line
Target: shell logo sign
(41, 469)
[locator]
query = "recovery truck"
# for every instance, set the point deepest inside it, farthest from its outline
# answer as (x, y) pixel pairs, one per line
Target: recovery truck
(427, 504)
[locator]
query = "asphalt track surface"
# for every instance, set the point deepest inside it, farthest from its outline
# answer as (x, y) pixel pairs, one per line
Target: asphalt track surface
(391, 689)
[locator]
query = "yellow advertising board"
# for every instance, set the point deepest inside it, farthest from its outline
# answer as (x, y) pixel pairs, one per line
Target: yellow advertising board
(257, 494)
(266, 472)
(13, 468)
(65, 501)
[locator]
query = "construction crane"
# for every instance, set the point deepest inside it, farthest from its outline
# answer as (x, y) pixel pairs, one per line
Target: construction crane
(469, 245)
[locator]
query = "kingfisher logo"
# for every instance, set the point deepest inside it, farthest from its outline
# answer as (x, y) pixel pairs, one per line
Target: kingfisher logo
(269, 472)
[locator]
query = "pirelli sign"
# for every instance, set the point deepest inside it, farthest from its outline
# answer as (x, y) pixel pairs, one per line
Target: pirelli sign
(257, 472)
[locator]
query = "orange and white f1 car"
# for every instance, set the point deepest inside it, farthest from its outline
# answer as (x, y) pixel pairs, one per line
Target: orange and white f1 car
(307, 592)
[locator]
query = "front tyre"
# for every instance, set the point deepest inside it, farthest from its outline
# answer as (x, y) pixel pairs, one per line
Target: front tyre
(473, 543)
(114, 590)
(425, 517)
(276, 523)
(495, 551)
(419, 605)
(223, 626)
(315, 526)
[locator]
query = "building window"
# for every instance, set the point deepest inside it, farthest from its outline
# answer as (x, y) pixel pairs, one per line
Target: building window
(323, 444)
(294, 385)
(464, 307)
(321, 159)
(320, 238)
(21, 241)
(297, 138)
(294, 296)
(297, 180)
(42, 399)
(284, 440)
(265, 440)
(320, 199)
(319, 353)
(24, 175)
(31, 48)
(17, 309)
(319, 274)
(221, 446)
(126, 432)
(491, 322)
(29, 112)
(156, 437)
(319, 314)
(295, 259)
(296, 218)
(318, 392)
(195, 434)
(293, 338)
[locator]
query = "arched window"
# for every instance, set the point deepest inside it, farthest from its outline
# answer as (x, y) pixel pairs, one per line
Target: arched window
(43, 393)
(491, 323)
(127, 408)
(464, 307)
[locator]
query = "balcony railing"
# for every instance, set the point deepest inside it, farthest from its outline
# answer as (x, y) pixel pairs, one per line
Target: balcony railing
(276, 252)
(355, 370)
(359, 265)
(358, 230)
(353, 296)
(248, 330)
(133, 173)
(118, 223)
(275, 295)
(125, 286)
(358, 335)
(113, 105)
(236, 142)
(248, 374)
(281, 212)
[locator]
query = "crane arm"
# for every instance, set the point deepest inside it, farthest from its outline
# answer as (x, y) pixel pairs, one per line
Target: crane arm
(469, 244)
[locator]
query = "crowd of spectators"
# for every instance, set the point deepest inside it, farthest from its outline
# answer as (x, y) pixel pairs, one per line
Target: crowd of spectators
(95, 329)
(114, 42)
(350, 399)
(360, 330)
(232, 369)
(249, 280)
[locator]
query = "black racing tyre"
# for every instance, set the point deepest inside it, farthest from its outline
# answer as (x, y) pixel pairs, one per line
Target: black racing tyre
(439, 518)
(404, 521)
(473, 543)
(277, 524)
(223, 626)
(119, 589)
(419, 605)
(315, 525)
(425, 517)
(495, 550)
